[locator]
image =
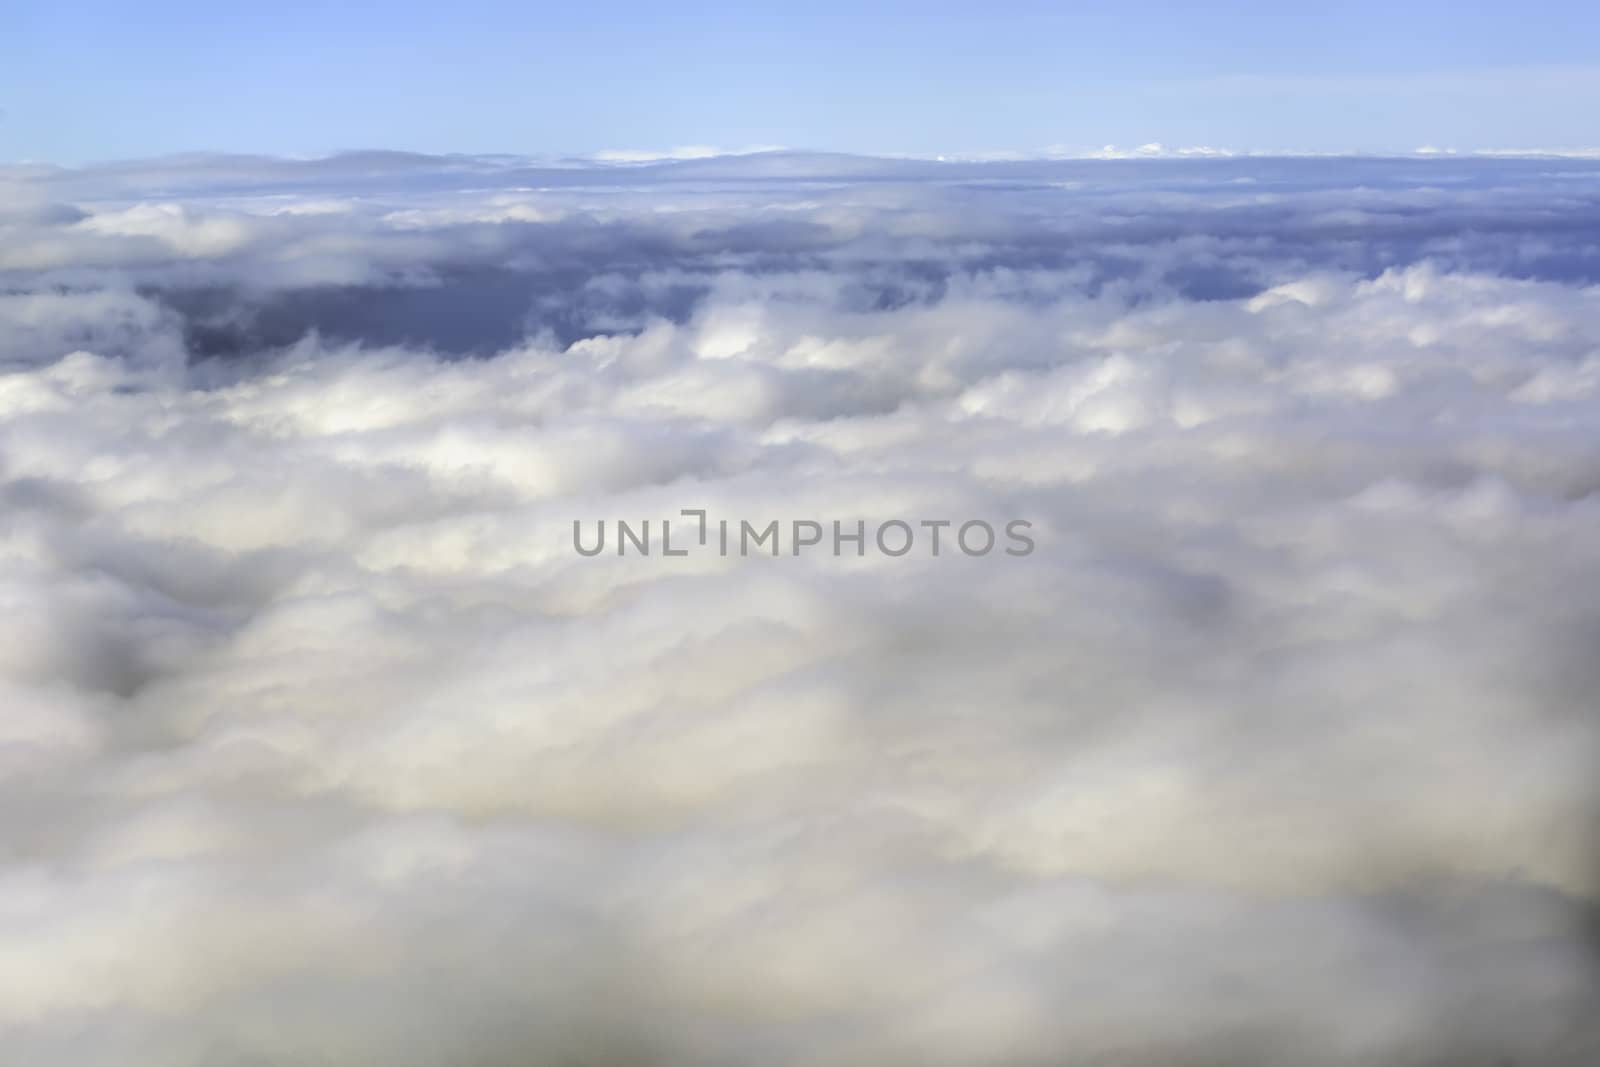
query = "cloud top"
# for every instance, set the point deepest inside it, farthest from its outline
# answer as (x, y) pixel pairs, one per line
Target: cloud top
(321, 745)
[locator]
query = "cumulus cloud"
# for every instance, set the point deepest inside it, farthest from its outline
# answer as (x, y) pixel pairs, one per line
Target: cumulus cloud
(321, 744)
(646, 155)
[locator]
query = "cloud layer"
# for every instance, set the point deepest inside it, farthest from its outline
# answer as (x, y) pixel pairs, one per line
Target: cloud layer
(321, 745)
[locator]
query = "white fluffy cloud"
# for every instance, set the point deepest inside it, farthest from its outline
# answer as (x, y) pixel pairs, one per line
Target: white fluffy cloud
(321, 745)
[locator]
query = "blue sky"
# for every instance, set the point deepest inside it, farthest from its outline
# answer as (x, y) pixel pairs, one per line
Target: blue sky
(100, 80)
